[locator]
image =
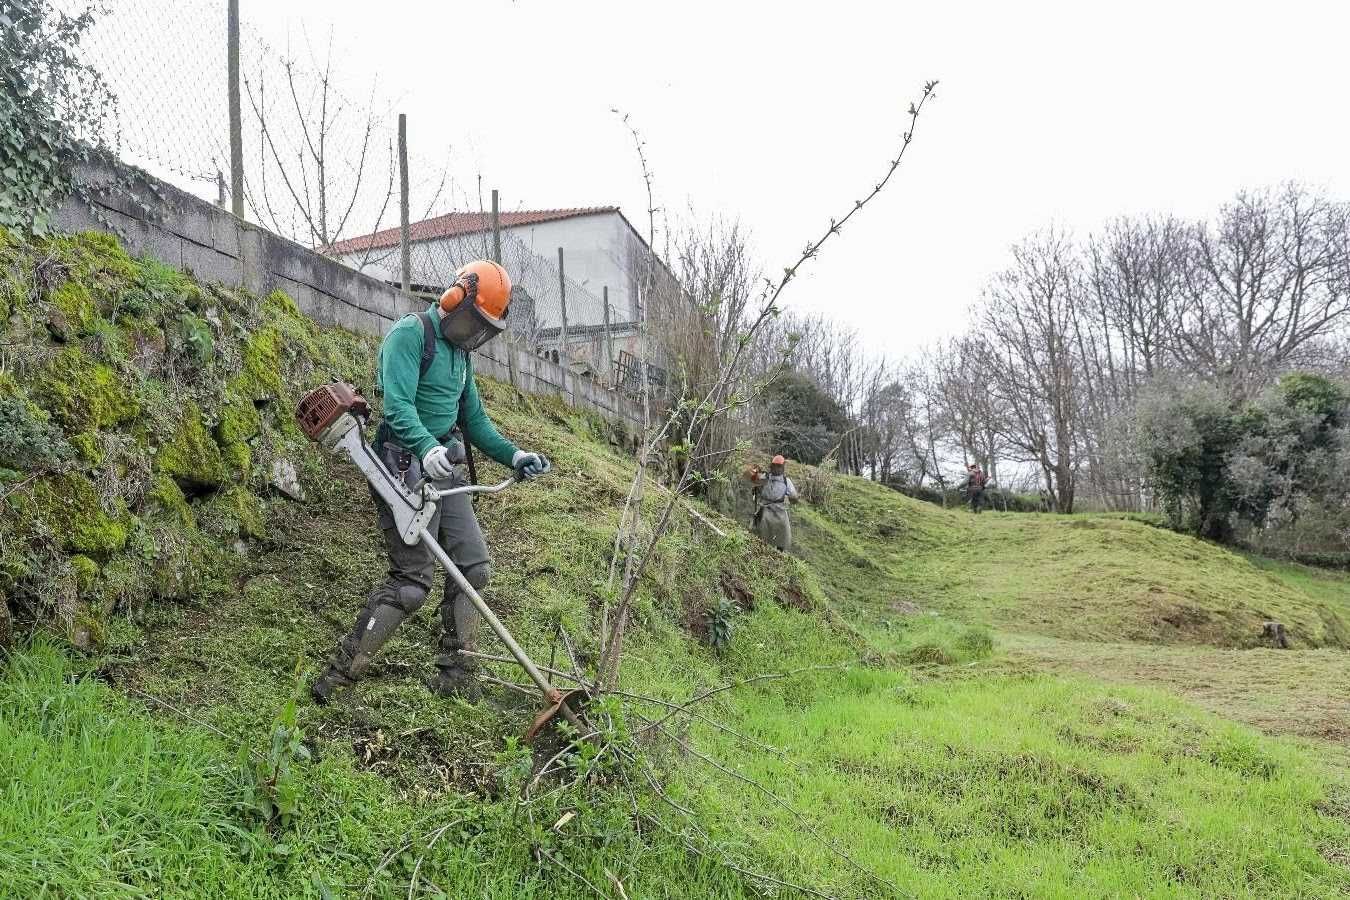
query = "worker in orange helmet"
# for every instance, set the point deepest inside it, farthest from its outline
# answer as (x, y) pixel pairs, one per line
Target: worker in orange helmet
(774, 491)
(432, 413)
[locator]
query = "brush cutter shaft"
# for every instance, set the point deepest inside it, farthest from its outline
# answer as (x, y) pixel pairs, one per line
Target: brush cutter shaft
(551, 694)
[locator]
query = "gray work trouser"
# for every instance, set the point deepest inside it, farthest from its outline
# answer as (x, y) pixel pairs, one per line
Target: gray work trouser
(408, 581)
(775, 525)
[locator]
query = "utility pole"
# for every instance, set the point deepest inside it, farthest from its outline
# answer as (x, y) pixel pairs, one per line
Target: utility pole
(562, 294)
(236, 123)
(404, 249)
(496, 230)
(609, 337)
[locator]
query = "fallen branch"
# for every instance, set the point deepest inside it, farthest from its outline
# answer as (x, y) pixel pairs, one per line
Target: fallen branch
(421, 856)
(699, 830)
(769, 676)
(490, 657)
(697, 516)
(195, 721)
(707, 720)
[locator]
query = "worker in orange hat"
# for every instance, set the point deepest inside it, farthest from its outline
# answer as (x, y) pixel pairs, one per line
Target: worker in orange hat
(774, 491)
(432, 414)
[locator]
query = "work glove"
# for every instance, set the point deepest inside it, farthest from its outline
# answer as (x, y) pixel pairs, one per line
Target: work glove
(436, 464)
(530, 465)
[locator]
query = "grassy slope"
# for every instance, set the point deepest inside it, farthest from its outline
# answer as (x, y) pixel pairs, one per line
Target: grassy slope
(947, 780)
(1093, 578)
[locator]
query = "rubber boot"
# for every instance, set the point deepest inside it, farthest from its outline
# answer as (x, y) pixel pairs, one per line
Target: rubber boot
(384, 611)
(456, 674)
(323, 687)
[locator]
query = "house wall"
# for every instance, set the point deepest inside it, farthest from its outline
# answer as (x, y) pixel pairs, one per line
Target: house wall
(599, 251)
(596, 252)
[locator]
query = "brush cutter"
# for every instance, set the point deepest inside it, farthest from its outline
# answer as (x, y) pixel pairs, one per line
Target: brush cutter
(333, 416)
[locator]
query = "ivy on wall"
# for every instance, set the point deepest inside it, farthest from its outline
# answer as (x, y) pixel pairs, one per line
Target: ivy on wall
(55, 111)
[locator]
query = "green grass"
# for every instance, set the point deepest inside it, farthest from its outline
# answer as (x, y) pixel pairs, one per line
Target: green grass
(1014, 787)
(1008, 705)
(102, 800)
(1095, 578)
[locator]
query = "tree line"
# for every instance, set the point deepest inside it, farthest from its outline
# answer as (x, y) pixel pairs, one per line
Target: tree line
(1135, 369)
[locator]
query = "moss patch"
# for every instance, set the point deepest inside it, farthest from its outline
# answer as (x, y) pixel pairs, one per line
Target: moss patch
(166, 502)
(76, 307)
(191, 457)
(234, 512)
(82, 394)
(86, 573)
(69, 507)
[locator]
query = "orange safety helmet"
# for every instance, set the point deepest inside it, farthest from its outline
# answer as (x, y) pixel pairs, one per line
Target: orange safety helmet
(779, 461)
(474, 308)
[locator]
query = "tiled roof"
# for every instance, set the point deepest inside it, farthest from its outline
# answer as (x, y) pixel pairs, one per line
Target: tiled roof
(456, 224)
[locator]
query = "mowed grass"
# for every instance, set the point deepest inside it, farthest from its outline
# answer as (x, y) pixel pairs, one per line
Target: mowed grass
(1087, 578)
(1304, 693)
(1045, 787)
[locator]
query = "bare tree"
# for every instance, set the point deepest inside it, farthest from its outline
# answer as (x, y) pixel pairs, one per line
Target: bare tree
(697, 413)
(1264, 284)
(1029, 318)
(322, 167)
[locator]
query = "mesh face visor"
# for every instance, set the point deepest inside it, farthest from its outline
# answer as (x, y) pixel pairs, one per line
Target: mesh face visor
(468, 327)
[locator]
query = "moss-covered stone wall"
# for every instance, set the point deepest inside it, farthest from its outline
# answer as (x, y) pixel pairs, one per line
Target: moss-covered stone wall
(141, 414)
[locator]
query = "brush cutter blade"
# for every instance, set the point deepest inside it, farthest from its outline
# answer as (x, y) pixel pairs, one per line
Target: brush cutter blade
(570, 706)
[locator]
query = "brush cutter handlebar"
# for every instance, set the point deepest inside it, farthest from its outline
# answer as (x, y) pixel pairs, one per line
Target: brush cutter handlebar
(475, 489)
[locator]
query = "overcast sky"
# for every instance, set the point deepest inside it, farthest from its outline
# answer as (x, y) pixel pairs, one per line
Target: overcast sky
(781, 114)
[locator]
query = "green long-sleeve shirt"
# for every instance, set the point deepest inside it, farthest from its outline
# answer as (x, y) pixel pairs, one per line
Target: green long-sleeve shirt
(421, 409)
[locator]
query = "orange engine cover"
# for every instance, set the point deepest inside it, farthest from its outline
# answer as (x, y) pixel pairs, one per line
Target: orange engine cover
(323, 406)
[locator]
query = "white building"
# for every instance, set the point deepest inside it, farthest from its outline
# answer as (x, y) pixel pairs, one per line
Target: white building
(602, 255)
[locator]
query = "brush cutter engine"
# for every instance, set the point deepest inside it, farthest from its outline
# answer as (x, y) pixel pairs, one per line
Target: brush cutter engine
(332, 416)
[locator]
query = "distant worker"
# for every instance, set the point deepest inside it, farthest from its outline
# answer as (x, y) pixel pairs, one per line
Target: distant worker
(773, 492)
(974, 485)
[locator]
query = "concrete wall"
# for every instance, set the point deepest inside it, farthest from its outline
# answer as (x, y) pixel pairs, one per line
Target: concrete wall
(190, 234)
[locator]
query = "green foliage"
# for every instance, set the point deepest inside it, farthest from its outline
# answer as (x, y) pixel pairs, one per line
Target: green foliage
(719, 621)
(270, 785)
(28, 440)
(1213, 463)
(808, 422)
(54, 110)
(196, 333)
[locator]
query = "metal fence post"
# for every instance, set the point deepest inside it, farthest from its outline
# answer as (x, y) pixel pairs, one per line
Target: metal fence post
(609, 337)
(496, 230)
(404, 248)
(562, 296)
(236, 124)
